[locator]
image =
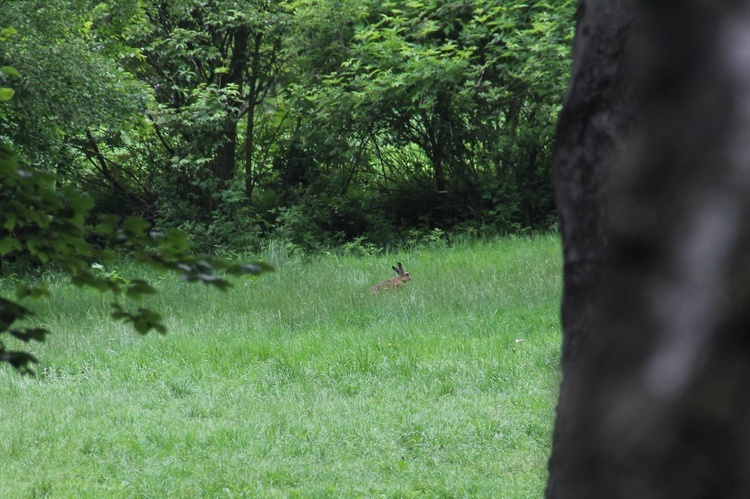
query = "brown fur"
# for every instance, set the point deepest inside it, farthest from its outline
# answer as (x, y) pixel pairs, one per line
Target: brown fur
(394, 282)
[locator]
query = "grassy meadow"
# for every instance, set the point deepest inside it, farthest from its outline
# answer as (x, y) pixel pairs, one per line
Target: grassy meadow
(299, 383)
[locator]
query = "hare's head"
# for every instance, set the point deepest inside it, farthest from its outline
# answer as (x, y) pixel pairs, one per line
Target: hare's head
(402, 274)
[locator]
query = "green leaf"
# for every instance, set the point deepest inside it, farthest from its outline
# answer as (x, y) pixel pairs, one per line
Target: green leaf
(104, 229)
(30, 333)
(79, 202)
(10, 312)
(10, 71)
(137, 288)
(24, 291)
(135, 226)
(255, 268)
(105, 255)
(84, 278)
(174, 243)
(6, 93)
(6, 33)
(21, 361)
(10, 220)
(8, 244)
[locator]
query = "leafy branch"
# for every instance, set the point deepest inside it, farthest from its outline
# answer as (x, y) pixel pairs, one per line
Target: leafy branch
(49, 225)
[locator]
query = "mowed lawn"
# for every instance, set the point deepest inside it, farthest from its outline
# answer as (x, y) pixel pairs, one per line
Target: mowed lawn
(300, 383)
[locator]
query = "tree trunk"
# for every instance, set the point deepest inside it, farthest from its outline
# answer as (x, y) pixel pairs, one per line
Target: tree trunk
(655, 399)
(224, 164)
(224, 158)
(595, 117)
(252, 102)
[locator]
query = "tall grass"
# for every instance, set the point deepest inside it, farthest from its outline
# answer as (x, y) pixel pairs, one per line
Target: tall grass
(300, 384)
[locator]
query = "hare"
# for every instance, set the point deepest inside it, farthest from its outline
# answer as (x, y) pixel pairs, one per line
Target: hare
(394, 282)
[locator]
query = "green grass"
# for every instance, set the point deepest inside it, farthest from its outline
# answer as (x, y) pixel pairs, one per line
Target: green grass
(300, 384)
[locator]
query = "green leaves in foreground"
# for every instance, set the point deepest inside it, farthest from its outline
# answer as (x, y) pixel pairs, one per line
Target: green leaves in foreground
(48, 225)
(5, 71)
(10, 312)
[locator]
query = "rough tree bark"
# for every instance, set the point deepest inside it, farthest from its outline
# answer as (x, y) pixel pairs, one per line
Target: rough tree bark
(655, 399)
(596, 115)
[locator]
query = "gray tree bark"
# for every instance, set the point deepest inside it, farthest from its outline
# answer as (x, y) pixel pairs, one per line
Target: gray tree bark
(596, 115)
(655, 399)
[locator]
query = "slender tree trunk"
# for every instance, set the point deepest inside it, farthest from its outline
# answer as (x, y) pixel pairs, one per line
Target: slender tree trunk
(655, 399)
(252, 102)
(249, 149)
(224, 164)
(438, 156)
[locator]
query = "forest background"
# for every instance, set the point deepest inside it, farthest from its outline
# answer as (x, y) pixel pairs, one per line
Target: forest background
(316, 122)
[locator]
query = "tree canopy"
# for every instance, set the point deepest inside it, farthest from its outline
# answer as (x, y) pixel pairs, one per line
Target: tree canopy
(314, 121)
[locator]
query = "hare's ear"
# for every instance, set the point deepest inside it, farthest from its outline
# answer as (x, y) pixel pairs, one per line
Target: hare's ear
(400, 268)
(396, 270)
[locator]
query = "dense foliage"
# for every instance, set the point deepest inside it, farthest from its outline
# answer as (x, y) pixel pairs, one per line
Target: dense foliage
(316, 121)
(48, 221)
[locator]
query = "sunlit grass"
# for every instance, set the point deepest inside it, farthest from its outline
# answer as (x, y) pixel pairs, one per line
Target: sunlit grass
(300, 383)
